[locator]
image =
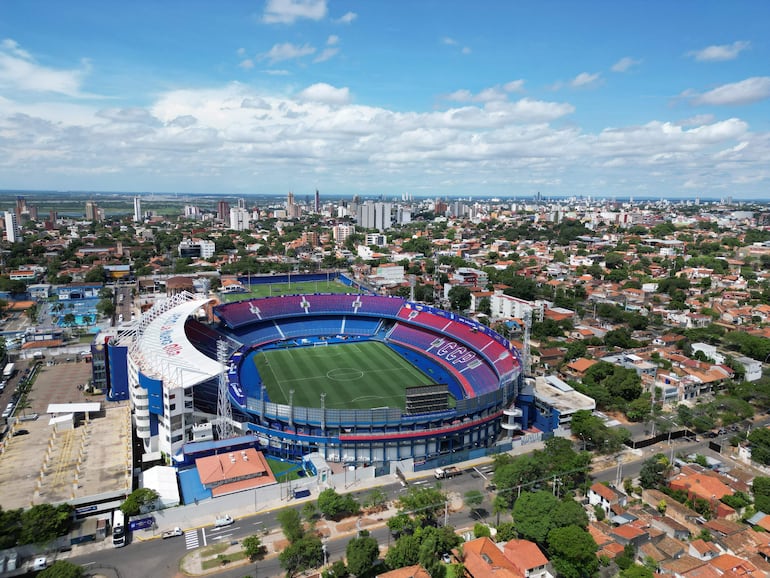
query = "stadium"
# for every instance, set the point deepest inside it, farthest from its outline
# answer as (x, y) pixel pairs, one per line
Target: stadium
(362, 379)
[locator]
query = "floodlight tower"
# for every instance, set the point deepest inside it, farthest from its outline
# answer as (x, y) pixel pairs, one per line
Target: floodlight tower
(224, 409)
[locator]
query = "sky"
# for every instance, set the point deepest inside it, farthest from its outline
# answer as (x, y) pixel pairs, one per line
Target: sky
(600, 98)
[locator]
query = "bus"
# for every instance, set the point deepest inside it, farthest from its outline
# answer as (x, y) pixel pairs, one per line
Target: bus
(118, 529)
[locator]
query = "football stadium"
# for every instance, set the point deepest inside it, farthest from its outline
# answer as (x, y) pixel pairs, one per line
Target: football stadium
(362, 379)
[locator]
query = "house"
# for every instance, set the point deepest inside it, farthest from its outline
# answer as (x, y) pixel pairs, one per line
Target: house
(528, 559)
(605, 497)
(483, 559)
(579, 367)
(703, 550)
(705, 486)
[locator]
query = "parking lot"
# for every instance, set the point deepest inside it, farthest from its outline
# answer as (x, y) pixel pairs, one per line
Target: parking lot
(54, 463)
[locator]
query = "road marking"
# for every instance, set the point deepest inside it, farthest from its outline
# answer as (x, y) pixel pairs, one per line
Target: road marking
(191, 539)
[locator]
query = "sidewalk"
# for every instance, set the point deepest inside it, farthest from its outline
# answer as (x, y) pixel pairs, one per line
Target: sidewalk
(200, 516)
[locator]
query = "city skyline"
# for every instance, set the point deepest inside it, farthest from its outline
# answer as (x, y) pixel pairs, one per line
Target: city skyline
(601, 99)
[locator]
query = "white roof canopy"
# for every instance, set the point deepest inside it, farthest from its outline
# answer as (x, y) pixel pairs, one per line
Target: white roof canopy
(165, 350)
(74, 407)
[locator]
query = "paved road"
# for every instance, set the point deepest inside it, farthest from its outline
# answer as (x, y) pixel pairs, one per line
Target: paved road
(161, 558)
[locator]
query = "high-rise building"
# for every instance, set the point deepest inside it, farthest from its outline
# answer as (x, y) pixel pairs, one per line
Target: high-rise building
(317, 205)
(223, 212)
(93, 213)
(239, 219)
(137, 210)
(342, 232)
(12, 232)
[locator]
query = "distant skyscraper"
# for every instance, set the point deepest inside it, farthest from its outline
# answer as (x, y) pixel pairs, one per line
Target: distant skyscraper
(92, 211)
(223, 212)
(12, 231)
(137, 210)
(317, 207)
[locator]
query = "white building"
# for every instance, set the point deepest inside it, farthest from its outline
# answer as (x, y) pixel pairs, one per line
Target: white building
(137, 210)
(163, 369)
(239, 219)
(377, 239)
(504, 307)
(342, 231)
(12, 231)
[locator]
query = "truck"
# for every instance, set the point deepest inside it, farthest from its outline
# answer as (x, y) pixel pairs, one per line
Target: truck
(118, 529)
(447, 472)
(9, 371)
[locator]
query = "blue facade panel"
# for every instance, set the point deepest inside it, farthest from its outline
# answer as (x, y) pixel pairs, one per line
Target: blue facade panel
(117, 372)
(154, 389)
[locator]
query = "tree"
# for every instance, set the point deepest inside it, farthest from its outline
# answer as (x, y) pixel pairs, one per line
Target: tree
(652, 474)
(532, 515)
(424, 503)
(62, 569)
(760, 445)
(44, 522)
(570, 513)
(485, 306)
(361, 554)
(291, 525)
(405, 552)
(254, 548)
(96, 274)
(139, 500)
(302, 554)
(481, 530)
(10, 527)
(375, 499)
(473, 499)
(573, 552)
(761, 488)
(338, 570)
(459, 298)
(334, 505)
(637, 571)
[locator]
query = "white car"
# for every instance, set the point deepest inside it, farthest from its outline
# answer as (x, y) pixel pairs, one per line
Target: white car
(172, 533)
(223, 521)
(40, 564)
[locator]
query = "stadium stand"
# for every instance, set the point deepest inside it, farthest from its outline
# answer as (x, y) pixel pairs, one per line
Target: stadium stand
(360, 325)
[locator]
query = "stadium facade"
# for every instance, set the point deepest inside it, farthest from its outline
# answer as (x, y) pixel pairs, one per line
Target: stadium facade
(174, 376)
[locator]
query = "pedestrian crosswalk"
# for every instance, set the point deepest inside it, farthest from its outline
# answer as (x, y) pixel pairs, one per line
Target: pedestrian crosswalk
(191, 539)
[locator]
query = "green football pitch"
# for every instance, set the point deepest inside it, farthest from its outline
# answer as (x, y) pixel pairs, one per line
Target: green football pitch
(359, 375)
(293, 288)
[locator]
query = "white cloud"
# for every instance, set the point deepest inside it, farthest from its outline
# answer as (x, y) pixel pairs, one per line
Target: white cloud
(625, 64)
(227, 138)
(276, 72)
(326, 54)
(332, 40)
(449, 41)
(248, 64)
(288, 51)
(466, 50)
(584, 79)
(514, 86)
(288, 11)
(325, 93)
(719, 52)
(744, 92)
(20, 72)
(347, 18)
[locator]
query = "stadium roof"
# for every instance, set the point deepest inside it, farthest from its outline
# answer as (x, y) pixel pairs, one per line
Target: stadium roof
(164, 350)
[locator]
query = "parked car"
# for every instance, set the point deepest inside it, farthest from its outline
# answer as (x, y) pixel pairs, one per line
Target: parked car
(222, 521)
(172, 533)
(20, 432)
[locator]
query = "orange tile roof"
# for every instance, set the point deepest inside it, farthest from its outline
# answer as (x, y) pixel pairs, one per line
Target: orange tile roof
(234, 471)
(702, 485)
(581, 365)
(483, 558)
(524, 554)
(44, 344)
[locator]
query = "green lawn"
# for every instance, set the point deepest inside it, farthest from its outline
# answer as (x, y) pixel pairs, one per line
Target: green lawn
(274, 289)
(358, 375)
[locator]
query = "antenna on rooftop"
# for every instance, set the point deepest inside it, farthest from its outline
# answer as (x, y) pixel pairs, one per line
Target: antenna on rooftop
(224, 409)
(526, 354)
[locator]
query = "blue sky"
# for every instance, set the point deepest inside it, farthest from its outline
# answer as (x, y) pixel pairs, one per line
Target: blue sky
(601, 98)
